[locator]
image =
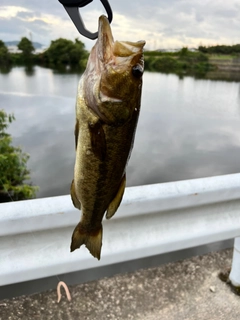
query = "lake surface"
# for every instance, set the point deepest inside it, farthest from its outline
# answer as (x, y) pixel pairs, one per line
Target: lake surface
(188, 128)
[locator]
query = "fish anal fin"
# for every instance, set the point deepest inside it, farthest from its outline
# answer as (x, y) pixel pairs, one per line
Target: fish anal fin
(76, 202)
(98, 141)
(92, 240)
(113, 206)
(76, 132)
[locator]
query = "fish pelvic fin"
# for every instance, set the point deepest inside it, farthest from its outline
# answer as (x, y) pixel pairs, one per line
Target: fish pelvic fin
(76, 202)
(92, 240)
(113, 206)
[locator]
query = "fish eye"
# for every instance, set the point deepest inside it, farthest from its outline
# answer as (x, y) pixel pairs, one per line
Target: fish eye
(137, 71)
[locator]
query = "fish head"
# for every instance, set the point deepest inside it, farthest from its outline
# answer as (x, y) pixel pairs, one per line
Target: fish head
(116, 69)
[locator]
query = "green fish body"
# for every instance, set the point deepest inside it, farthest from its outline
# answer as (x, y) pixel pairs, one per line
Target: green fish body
(107, 110)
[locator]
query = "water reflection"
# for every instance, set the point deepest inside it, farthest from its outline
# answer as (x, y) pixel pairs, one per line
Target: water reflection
(223, 76)
(215, 75)
(188, 128)
(5, 69)
(29, 70)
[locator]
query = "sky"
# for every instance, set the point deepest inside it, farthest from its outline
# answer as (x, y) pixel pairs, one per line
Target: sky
(162, 24)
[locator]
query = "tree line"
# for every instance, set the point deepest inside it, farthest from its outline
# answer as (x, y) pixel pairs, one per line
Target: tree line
(60, 54)
(220, 49)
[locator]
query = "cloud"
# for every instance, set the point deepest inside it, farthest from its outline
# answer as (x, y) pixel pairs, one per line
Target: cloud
(163, 24)
(8, 12)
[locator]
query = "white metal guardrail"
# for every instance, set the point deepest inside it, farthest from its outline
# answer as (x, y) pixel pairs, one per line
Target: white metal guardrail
(152, 219)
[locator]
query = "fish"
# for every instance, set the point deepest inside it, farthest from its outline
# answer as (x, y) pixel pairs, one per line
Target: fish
(107, 111)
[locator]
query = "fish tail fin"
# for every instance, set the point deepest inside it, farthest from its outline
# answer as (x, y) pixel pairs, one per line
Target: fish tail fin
(92, 240)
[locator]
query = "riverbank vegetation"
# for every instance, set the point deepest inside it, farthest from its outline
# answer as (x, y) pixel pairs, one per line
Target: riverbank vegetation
(13, 166)
(180, 61)
(63, 54)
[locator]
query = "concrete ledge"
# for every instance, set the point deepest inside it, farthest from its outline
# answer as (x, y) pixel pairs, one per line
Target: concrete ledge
(152, 219)
(186, 290)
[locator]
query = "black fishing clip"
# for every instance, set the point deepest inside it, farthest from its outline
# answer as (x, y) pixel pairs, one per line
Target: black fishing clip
(71, 6)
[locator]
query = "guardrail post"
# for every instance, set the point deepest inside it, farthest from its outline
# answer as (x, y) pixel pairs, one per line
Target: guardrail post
(235, 270)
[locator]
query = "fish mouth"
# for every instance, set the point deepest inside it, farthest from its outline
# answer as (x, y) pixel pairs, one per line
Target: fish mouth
(107, 48)
(105, 39)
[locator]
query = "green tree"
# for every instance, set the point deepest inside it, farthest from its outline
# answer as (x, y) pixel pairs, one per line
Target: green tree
(5, 58)
(184, 52)
(63, 52)
(203, 49)
(27, 48)
(13, 166)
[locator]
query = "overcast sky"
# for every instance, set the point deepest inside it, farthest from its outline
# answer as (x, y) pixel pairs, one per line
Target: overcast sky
(162, 23)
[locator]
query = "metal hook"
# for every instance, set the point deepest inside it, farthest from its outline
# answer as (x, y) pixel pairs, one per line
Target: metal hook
(71, 6)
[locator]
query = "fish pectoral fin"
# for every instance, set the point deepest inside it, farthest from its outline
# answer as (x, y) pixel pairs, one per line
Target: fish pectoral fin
(113, 206)
(76, 133)
(76, 202)
(92, 240)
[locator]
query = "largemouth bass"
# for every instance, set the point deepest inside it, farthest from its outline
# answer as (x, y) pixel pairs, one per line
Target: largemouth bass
(107, 109)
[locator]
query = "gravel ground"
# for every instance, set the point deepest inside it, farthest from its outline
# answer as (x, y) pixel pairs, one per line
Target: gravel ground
(184, 290)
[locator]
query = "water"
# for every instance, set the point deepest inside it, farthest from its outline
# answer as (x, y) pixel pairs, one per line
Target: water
(188, 128)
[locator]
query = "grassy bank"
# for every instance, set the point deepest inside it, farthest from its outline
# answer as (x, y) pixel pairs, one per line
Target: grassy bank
(181, 61)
